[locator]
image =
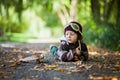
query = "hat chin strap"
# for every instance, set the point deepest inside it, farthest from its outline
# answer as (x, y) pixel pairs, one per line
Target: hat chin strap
(80, 32)
(79, 44)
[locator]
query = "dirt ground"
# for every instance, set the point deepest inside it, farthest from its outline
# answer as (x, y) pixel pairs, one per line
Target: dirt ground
(102, 64)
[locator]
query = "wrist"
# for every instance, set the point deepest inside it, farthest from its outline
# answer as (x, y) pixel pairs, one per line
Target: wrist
(78, 53)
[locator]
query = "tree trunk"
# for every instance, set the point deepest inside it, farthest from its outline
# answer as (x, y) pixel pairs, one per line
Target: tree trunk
(107, 10)
(95, 6)
(61, 16)
(118, 14)
(64, 15)
(73, 10)
(20, 9)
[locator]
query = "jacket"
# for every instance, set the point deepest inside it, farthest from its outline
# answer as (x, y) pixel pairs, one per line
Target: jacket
(67, 51)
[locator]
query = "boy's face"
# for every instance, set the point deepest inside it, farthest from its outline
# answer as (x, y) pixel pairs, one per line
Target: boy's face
(71, 36)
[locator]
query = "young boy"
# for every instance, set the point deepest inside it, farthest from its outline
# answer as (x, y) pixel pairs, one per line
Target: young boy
(72, 48)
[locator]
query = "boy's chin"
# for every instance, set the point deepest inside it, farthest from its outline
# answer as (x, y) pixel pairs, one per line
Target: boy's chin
(70, 42)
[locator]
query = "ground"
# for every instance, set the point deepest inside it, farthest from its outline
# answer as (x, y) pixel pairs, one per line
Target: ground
(102, 64)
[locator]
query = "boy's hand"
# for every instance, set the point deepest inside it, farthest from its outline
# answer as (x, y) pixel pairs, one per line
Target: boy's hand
(76, 58)
(78, 51)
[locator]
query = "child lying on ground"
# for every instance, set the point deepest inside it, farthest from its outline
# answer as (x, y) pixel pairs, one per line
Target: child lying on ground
(72, 48)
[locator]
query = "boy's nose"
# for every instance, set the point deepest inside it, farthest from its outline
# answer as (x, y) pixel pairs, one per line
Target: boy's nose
(68, 36)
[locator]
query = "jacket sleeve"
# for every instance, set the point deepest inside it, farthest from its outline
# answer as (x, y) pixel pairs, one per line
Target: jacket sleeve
(84, 52)
(64, 53)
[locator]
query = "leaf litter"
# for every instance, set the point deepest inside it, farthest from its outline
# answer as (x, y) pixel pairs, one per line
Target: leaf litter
(99, 61)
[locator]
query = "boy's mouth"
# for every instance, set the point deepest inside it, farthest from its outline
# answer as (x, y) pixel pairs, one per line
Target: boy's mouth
(69, 39)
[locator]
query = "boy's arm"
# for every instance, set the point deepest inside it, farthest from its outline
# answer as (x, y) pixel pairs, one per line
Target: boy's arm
(84, 52)
(64, 53)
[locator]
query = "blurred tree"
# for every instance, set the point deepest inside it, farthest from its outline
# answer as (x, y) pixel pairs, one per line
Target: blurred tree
(5, 17)
(66, 11)
(107, 12)
(104, 10)
(95, 6)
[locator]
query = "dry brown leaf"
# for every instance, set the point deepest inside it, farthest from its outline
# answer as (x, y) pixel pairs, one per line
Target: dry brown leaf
(52, 66)
(78, 62)
(8, 76)
(95, 77)
(114, 78)
(106, 54)
(73, 67)
(60, 69)
(30, 77)
(68, 72)
(15, 64)
(77, 70)
(45, 64)
(11, 61)
(48, 67)
(43, 69)
(56, 78)
(20, 56)
(94, 54)
(35, 67)
(117, 67)
(1, 73)
(88, 67)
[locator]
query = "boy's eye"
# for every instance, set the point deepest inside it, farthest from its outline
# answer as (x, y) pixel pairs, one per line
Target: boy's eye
(70, 34)
(66, 34)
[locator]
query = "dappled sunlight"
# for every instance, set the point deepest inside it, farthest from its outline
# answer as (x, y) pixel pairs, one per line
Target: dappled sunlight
(36, 25)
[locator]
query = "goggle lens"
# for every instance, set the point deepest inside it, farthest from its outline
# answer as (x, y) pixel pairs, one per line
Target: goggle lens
(75, 27)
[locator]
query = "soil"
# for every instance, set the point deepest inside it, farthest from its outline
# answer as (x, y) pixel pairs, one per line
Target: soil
(102, 64)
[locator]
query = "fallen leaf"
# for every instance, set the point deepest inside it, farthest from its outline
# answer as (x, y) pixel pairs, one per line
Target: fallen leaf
(35, 67)
(68, 72)
(30, 77)
(95, 77)
(105, 55)
(52, 66)
(114, 78)
(117, 67)
(88, 67)
(78, 62)
(15, 64)
(60, 69)
(56, 78)
(77, 70)
(8, 76)
(42, 69)
(1, 73)
(94, 54)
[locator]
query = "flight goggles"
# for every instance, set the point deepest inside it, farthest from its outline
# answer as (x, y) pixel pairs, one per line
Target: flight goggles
(75, 27)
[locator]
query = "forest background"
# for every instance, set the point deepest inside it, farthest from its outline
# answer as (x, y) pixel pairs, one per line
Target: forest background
(22, 20)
